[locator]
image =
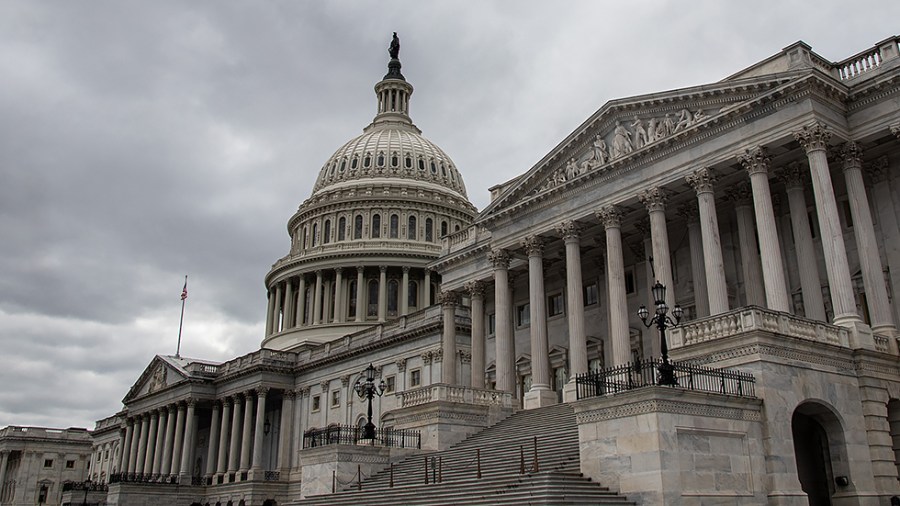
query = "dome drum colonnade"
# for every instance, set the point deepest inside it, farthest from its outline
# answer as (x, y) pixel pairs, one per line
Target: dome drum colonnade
(708, 269)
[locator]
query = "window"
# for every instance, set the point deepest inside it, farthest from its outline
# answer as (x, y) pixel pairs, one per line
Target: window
(354, 163)
(433, 167)
(381, 159)
(421, 164)
(394, 160)
(492, 324)
(327, 235)
(443, 228)
(390, 384)
(42, 494)
(342, 229)
(393, 296)
(429, 230)
(523, 315)
(411, 229)
(70, 464)
(367, 161)
(335, 398)
(415, 377)
(408, 162)
(591, 294)
(395, 226)
(413, 294)
(48, 462)
(304, 237)
(343, 165)
(357, 227)
(376, 226)
(555, 304)
(351, 310)
(315, 233)
(316, 402)
(373, 298)
(630, 285)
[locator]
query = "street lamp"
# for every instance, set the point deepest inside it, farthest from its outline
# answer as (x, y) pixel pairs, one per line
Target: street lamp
(87, 487)
(662, 322)
(368, 390)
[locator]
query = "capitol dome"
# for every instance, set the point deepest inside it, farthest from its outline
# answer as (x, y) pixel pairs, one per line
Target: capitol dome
(362, 242)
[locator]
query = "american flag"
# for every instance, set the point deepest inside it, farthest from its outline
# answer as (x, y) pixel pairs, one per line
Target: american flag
(184, 290)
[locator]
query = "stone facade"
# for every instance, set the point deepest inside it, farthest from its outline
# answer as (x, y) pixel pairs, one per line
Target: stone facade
(36, 462)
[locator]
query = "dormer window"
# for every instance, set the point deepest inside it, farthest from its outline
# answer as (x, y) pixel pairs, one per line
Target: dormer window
(421, 164)
(367, 161)
(354, 163)
(433, 167)
(381, 159)
(408, 162)
(395, 160)
(343, 165)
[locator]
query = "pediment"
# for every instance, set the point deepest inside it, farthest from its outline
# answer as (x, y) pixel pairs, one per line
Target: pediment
(161, 373)
(624, 130)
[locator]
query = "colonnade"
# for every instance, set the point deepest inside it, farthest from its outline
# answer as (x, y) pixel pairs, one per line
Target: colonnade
(341, 295)
(159, 442)
(103, 462)
(755, 219)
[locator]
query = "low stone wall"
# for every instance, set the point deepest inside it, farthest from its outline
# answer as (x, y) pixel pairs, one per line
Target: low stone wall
(660, 445)
(343, 464)
(150, 494)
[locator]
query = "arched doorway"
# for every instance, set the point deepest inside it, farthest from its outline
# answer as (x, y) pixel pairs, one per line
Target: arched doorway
(819, 450)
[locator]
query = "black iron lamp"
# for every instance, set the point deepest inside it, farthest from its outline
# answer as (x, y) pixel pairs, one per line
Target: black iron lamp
(267, 426)
(368, 390)
(662, 322)
(87, 487)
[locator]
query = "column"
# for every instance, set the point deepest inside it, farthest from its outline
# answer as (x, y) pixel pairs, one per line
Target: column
(571, 235)
(327, 306)
(288, 304)
(178, 440)
(540, 393)
(222, 464)
(814, 140)
(276, 310)
(142, 444)
(166, 466)
(751, 267)
(382, 292)
(187, 450)
(135, 442)
(883, 204)
(448, 302)
(698, 277)
(151, 442)
(757, 161)
(284, 431)
(360, 291)
(4, 458)
(611, 218)
(300, 313)
(234, 450)
(404, 292)
(810, 285)
(317, 299)
(702, 181)
(426, 294)
(504, 368)
(160, 444)
(869, 257)
(655, 201)
(126, 448)
(261, 393)
(270, 310)
(476, 295)
(339, 310)
(212, 451)
(248, 428)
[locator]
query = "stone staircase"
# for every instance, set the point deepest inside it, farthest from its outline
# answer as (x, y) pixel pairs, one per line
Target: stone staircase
(503, 447)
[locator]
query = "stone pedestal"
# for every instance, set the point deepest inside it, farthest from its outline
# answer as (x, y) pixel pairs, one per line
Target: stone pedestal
(343, 464)
(540, 398)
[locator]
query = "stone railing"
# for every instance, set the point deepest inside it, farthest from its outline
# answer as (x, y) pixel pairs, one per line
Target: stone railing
(454, 393)
(463, 239)
(753, 318)
(868, 60)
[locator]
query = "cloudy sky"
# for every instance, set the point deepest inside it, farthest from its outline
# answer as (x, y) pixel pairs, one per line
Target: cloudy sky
(142, 141)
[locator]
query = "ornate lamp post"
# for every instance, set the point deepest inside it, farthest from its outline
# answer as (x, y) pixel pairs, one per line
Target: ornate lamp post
(87, 487)
(662, 322)
(368, 390)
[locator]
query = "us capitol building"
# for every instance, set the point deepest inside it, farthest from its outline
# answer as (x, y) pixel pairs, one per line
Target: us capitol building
(509, 361)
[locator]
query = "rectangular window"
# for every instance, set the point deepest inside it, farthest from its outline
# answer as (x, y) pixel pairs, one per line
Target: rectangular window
(523, 315)
(630, 284)
(591, 294)
(70, 464)
(389, 384)
(316, 402)
(415, 377)
(335, 398)
(492, 324)
(555, 304)
(48, 462)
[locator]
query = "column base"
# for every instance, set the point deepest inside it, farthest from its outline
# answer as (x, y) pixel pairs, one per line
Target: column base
(861, 336)
(539, 398)
(570, 393)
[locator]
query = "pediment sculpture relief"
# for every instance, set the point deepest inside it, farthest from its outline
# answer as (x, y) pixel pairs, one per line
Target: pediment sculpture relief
(158, 380)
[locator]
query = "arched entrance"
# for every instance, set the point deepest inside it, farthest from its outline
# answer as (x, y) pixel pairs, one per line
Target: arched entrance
(819, 451)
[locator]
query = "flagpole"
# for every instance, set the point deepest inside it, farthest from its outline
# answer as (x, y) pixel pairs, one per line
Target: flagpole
(181, 320)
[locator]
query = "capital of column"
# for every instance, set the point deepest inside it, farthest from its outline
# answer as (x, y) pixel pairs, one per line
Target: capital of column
(437, 355)
(190, 402)
(702, 180)
(262, 391)
(345, 380)
(851, 156)
(755, 160)
(534, 245)
(813, 137)
(448, 299)
(610, 216)
(427, 356)
(238, 399)
(405, 269)
(325, 384)
(226, 402)
(895, 129)
(475, 289)
(289, 393)
(172, 408)
(499, 259)
(303, 392)
(382, 268)
(339, 270)
(740, 194)
(154, 414)
(568, 230)
(689, 212)
(878, 170)
(793, 175)
(401, 365)
(653, 198)
(360, 269)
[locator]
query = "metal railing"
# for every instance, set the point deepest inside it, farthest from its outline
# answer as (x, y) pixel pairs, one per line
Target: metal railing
(352, 435)
(645, 373)
(167, 479)
(69, 486)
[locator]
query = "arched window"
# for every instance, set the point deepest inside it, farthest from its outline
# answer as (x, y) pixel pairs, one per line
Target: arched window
(342, 228)
(429, 230)
(443, 170)
(354, 163)
(412, 299)
(315, 234)
(343, 164)
(433, 167)
(395, 226)
(351, 306)
(393, 296)
(381, 159)
(456, 227)
(304, 237)
(376, 226)
(395, 161)
(326, 236)
(357, 227)
(408, 162)
(372, 309)
(411, 229)
(443, 228)
(367, 161)
(421, 164)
